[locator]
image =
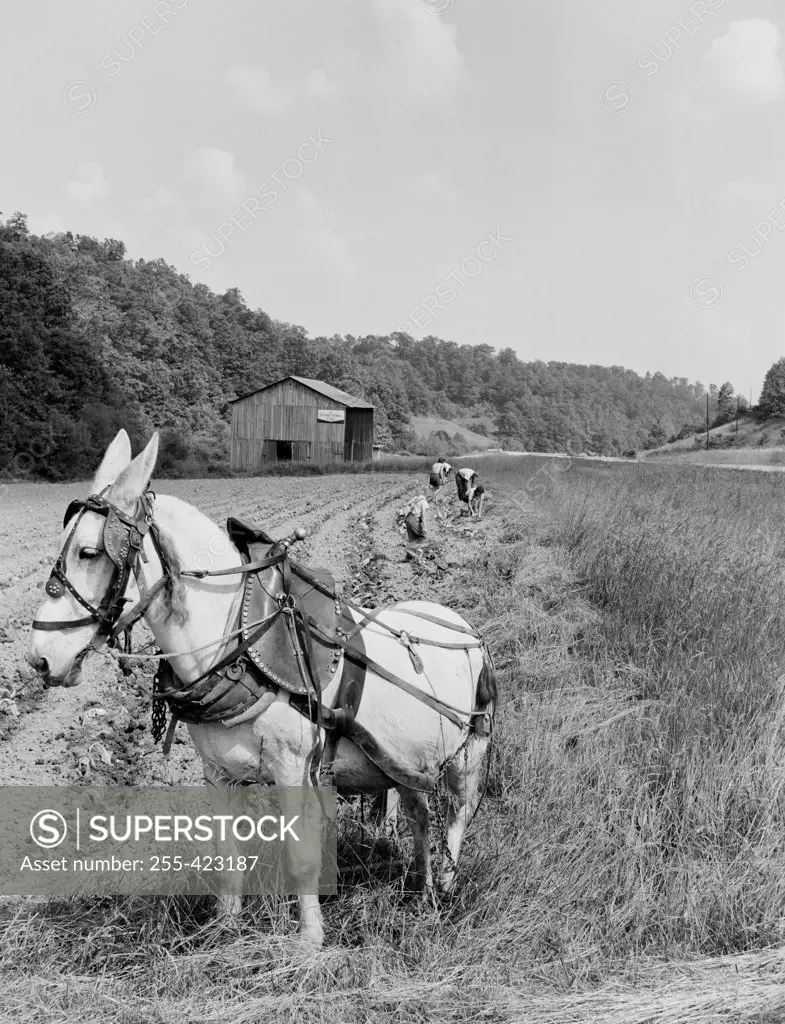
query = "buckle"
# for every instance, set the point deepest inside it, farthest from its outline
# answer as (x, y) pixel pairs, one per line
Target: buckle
(236, 670)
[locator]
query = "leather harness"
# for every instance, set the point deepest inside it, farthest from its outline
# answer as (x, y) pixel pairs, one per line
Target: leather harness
(123, 539)
(293, 634)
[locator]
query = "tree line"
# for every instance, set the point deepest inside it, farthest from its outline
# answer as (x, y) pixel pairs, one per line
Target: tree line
(91, 341)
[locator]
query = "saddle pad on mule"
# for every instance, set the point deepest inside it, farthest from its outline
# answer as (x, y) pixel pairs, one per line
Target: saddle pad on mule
(274, 652)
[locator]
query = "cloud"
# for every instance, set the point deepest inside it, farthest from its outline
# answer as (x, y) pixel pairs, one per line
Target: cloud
(319, 85)
(747, 192)
(320, 237)
(213, 171)
(433, 183)
(90, 186)
(419, 65)
(159, 200)
(253, 87)
(745, 61)
(424, 64)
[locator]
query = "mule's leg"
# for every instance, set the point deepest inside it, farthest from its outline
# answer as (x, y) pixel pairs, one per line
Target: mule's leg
(384, 811)
(464, 787)
(228, 905)
(391, 812)
(303, 859)
(415, 808)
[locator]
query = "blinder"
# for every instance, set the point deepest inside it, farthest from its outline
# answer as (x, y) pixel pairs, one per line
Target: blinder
(75, 506)
(123, 537)
(117, 539)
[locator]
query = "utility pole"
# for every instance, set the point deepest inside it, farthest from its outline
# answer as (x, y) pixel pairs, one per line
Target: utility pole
(707, 421)
(737, 413)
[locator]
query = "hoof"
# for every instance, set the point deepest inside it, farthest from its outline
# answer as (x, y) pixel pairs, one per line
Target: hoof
(418, 884)
(312, 937)
(227, 911)
(447, 880)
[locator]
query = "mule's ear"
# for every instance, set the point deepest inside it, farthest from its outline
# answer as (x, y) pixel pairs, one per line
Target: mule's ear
(133, 481)
(117, 457)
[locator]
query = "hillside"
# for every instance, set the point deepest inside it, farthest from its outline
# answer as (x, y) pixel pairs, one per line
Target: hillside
(91, 340)
(461, 436)
(757, 442)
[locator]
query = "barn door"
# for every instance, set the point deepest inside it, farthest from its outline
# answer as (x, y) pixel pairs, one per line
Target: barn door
(286, 451)
(269, 451)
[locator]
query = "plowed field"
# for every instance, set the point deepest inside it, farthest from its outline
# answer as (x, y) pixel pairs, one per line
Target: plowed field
(99, 731)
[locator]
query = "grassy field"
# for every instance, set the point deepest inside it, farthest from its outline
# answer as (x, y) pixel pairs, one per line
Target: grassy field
(628, 864)
(756, 443)
(757, 457)
(425, 425)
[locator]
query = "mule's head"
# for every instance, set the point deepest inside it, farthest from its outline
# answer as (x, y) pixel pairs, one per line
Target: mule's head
(86, 568)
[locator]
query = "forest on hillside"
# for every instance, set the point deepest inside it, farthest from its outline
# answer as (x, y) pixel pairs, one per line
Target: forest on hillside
(91, 341)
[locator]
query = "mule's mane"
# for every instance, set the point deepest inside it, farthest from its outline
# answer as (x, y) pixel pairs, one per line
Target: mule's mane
(174, 512)
(174, 592)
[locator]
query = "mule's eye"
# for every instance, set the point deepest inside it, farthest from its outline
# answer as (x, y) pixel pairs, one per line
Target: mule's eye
(87, 553)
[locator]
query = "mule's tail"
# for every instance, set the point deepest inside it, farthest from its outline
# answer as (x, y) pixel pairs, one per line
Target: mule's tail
(487, 687)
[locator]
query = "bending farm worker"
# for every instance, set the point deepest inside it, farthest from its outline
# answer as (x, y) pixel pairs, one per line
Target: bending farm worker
(476, 500)
(416, 523)
(465, 480)
(440, 470)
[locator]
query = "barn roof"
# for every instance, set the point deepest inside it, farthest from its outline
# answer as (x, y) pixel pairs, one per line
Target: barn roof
(315, 385)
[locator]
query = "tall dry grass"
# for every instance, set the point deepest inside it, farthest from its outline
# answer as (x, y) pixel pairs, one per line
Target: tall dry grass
(747, 456)
(634, 817)
(686, 569)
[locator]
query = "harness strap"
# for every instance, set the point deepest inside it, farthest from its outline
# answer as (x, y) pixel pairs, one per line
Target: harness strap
(209, 695)
(406, 638)
(124, 556)
(437, 621)
(253, 711)
(365, 620)
(133, 615)
(432, 702)
(64, 624)
(233, 655)
(263, 563)
(345, 724)
(169, 738)
(299, 622)
(315, 582)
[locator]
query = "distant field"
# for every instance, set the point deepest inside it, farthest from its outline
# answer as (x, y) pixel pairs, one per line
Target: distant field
(424, 425)
(746, 446)
(759, 457)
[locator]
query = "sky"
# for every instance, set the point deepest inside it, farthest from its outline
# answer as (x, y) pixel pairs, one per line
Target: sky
(589, 182)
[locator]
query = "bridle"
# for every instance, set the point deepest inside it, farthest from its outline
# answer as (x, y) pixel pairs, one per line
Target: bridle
(123, 539)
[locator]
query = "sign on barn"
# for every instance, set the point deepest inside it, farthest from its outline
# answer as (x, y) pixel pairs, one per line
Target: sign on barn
(299, 420)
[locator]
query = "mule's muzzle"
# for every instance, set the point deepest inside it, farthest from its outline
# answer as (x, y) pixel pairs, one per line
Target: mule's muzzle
(72, 678)
(41, 665)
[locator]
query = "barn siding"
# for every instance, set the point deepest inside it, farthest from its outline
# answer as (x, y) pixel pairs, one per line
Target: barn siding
(359, 435)
(287, 411)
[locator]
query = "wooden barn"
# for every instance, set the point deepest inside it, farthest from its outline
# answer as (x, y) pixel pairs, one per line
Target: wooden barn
(300, 420)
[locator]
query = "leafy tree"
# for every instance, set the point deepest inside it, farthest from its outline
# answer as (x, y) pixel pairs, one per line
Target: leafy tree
(772, 397)
(726, 404)
(657, 436)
